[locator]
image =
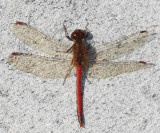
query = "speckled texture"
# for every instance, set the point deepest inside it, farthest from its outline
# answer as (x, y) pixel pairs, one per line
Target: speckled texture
(128, 103)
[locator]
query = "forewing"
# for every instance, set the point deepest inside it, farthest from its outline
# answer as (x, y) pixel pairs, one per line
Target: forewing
(37, 40)
(40, 66)
(113, 49)
(111, 68)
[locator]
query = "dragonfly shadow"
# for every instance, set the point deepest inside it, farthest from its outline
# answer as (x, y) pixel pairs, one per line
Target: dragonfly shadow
(82, 97)
(91, 57)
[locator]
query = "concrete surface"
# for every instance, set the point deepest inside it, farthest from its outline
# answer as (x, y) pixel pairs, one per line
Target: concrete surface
(127, 103)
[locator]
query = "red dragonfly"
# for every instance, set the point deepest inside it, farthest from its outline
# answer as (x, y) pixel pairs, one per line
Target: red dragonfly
(94, 63)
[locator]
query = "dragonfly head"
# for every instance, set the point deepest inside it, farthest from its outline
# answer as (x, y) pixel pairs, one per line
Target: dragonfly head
(78, 35)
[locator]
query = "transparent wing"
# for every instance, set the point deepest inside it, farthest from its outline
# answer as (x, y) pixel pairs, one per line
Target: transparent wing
(113, 49)
(40, 66)
(37, 40)
(111, 68)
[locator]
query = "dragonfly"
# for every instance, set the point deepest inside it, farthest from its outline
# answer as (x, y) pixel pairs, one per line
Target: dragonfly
(78, 58)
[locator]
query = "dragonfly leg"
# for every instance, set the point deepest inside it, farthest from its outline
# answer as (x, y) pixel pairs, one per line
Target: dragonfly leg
(87, 34)
(65, 31)
(68, 72)
(67, 51)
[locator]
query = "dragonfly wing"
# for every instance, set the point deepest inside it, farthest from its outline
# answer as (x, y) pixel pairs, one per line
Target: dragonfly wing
(111, 68)
(39, 65)
(113, 49)
(37, 40)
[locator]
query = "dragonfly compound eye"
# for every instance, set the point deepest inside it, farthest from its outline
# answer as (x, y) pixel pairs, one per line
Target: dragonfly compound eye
(78, 34)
